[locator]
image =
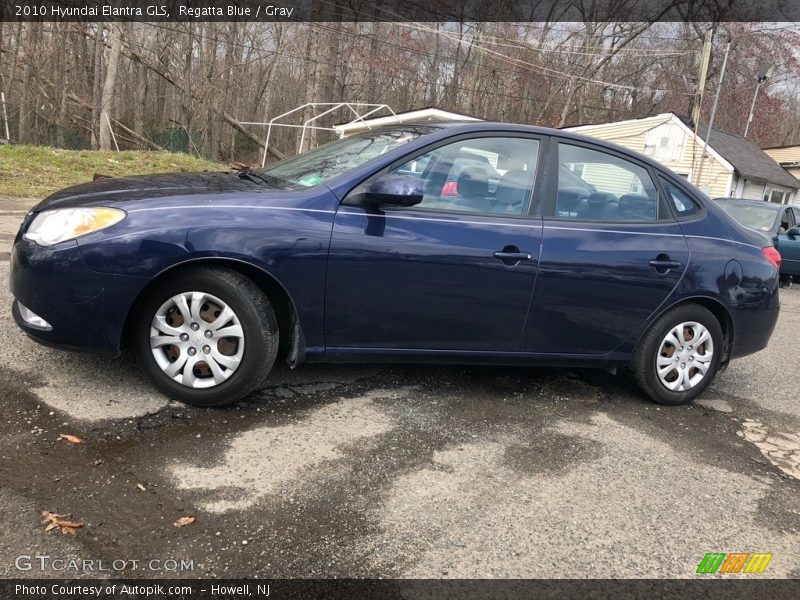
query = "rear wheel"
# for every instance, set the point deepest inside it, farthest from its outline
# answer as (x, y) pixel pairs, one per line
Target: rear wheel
(207, 336)
(679, 356)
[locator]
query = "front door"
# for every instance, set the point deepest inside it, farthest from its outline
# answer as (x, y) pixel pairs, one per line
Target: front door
(454, 273)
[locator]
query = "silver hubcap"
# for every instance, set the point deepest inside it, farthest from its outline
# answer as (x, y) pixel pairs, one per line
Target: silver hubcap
(197, 339)
(684, 356)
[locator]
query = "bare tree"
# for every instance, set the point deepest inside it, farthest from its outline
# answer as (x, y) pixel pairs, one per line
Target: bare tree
(187, 86)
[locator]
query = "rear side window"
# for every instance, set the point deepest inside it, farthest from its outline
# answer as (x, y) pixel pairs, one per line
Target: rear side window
(598, 186)
(682, 204)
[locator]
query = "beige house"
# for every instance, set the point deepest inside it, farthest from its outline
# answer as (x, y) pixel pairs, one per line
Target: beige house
(732, 167)
(788, 157)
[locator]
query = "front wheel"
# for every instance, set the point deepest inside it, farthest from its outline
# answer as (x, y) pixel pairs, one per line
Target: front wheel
(205, 336)
(679, 355)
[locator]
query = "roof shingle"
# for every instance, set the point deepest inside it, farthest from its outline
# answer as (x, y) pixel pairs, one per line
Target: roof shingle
(750, 161)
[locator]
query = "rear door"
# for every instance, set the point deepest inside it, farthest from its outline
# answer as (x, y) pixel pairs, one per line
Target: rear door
(610, 256)
(454, 273)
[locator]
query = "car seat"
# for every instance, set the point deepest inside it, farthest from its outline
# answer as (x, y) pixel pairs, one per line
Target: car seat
(597, 206)
(512, 192)
(473, 191)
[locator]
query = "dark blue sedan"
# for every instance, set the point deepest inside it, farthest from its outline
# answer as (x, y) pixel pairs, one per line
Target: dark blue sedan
(552, 249)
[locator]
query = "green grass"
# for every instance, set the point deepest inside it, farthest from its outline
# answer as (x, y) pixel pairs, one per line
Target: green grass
(36, 171)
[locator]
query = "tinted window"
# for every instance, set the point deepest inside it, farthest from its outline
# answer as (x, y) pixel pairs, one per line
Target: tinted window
(489, 175)
(597, 186)
(682, 203)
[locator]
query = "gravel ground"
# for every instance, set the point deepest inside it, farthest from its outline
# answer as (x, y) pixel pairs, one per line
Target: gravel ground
(388, 471)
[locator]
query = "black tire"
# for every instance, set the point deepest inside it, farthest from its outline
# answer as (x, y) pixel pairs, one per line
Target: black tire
(258, 323)
(648, 350)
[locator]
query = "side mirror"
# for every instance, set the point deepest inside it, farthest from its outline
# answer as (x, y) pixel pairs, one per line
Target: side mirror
(793, 232)
(394, 189)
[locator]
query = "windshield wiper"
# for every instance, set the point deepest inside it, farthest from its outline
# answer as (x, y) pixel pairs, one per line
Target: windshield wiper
(248, 173)
(268, 179)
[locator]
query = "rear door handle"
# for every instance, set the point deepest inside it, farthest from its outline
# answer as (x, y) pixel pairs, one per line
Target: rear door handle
(664, 264)
(513, 256)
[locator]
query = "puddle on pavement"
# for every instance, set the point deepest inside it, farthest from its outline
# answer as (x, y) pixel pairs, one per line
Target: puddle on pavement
(780, 448)
(16, 386)
(261, 461)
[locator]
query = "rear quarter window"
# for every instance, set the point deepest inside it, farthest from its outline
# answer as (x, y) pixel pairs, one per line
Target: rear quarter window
(682, 204)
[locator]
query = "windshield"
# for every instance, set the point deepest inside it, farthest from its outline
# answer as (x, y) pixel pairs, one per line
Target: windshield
(328, 161)
(753, 216)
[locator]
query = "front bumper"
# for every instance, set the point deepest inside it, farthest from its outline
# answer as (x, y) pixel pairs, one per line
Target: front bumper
(86, 310)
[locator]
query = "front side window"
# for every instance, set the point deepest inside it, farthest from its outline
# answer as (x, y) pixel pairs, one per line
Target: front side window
(597, 186)
(488, 175)
(787, 220)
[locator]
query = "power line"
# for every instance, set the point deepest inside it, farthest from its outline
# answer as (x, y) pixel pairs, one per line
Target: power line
(544, 70)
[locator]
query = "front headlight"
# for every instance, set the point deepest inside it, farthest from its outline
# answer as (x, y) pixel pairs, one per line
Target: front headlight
(53, 226)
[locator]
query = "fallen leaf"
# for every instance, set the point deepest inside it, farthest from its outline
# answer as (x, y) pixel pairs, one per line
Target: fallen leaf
(55, 520)
(141, 487)
(72, 439)
(49, 516)
(70, 524)
(184, 521)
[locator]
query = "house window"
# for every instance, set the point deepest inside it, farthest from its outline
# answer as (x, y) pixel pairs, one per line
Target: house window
(777, 196)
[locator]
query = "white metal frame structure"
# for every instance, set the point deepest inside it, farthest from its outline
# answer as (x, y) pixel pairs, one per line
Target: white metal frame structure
(328, 107)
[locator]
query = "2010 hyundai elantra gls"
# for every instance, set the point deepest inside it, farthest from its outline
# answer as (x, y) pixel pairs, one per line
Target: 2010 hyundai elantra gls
(463, 243)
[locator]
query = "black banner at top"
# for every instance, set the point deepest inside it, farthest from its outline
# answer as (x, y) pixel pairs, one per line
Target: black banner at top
(401, 10)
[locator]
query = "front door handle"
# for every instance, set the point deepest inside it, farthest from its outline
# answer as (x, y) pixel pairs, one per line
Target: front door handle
(515, 256)
(511, 256)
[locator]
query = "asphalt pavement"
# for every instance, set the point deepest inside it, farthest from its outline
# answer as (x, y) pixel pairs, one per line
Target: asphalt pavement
(396, 471)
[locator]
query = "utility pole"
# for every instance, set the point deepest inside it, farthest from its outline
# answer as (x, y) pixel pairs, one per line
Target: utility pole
(701, 80)
(713, 110)
(5, 116)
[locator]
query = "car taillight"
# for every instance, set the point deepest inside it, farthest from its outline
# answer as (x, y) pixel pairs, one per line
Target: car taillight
(772, 255)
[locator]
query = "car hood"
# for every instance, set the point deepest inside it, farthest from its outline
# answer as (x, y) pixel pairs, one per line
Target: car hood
(118, 191)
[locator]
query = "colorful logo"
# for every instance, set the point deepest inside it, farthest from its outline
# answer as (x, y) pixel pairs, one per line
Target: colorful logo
(734, 562)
